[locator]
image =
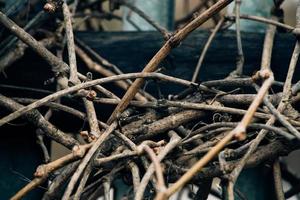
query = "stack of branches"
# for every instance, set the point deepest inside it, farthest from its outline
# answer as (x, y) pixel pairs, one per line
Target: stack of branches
(157, 146)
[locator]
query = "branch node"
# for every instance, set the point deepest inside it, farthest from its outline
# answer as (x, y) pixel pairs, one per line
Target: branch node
(41, 171)
(78, 151)
(240, 133)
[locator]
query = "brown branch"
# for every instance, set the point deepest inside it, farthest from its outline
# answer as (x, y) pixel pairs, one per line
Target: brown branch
(86, 160)
(286, 95)
(88, 84)
(73, 79)
(206, 46)
(238, 132)
(240, 54)
(18, 52)
(264, 20)
(278, 180)
(57, 184)
(164, 51)
(266, 62)
(175, 139)
(58, 65)
(135, 172)
(39, 121)
(100, 69)
(43, 171)
(158, 170)
(92, 118)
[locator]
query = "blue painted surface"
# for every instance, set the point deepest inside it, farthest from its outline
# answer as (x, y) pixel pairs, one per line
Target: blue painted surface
(253, 7)
(160, 11)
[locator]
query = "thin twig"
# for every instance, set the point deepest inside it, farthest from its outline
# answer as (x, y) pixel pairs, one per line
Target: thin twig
(39, 121)
(263, 20)
(240, 53)
(86, 160)
(207, 45)
(164, 51)
(43, 171)
(286, 94)
(238, 132)
(57, 64)
(88, 84)
(175, 139)
(278, 180)
(143, 15)
(73, 79)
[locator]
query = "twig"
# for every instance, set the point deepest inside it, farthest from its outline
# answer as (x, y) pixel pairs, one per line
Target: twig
(268, 46)
(286, 94)
(143, 15)
(73, 79)
(240, 53)
(161, 187)
(164, 51)
(263, 20)
(175, 139)
(191, 14)
(207, 45)
(238, 132)
(135, 172)
(83, 181)
(43, 171)
(39, 121)
(281, 118)
(98, 68)
(92, 118)
(278, 180)
(18, 52)
(57, 64)
(86, 160)
(88, 84)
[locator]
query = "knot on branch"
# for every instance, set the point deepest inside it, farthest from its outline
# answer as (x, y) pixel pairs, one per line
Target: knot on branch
(167, 36)
(262, 74)
(174, 41)
(240, 133)
(88, 94)
(94, 135)
(87, 137)
(41, 171)
(161, 103)
(91, 95)
(78, 151)
(53, 5)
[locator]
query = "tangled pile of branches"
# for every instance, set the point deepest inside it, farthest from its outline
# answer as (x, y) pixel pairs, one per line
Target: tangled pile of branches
(158, 146)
